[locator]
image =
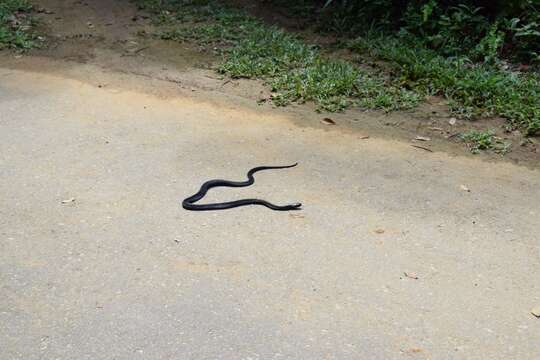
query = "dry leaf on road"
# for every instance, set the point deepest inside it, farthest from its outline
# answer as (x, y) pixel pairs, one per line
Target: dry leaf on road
(411, 275)
(328, 121)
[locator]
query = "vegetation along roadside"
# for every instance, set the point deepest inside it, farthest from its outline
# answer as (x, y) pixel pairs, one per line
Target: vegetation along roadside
(16, 25)
(482, 59)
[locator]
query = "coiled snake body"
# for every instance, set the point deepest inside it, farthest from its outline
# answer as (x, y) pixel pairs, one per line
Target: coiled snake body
(189, 203)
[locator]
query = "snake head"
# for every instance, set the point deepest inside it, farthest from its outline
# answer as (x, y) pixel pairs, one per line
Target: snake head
(295, 206)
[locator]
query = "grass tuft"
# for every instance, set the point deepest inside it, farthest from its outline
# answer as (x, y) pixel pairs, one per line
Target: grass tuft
(474, 89)
(296, 71)
(485, 140)
(15, 25)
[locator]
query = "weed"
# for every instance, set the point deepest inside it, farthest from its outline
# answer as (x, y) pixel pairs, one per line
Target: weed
(473, 89)
(267, 52)
(15, 25)
(485, 140)
(205, 21)
(328, 83)
(451, 27)
(296, 71)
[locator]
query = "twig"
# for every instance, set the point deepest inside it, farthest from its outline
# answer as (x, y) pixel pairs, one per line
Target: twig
(134, 52)
(141, 49)
(226, 82)
(421, 147)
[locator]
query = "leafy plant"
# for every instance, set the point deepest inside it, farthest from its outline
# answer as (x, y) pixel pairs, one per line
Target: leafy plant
(15, 25)
(452, 27)
(526, 38)
(485, 140)
(473, 89)
(298, 73)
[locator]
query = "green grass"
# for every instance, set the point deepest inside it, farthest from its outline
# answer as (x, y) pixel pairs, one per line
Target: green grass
(15, 25)
(295, 70)
(299, 72)
(474, 90)
(267, 52)
(485, 140)
(213, 26)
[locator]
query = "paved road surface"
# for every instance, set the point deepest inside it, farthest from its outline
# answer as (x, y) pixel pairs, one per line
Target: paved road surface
(123, 272)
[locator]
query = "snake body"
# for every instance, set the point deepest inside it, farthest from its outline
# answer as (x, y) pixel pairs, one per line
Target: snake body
(189, 203)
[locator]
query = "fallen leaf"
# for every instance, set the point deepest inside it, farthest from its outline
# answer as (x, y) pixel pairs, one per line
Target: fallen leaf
(68, 201)
(411, 275)
(422, 138)
(464, 188)
(452, 121)
(536, 311)
(379, 231)
(328, 121)
(364, 137)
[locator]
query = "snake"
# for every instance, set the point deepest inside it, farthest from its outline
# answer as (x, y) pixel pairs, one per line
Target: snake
(189, 203)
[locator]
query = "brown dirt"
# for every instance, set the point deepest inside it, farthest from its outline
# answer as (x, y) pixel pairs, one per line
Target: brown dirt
(86, 38)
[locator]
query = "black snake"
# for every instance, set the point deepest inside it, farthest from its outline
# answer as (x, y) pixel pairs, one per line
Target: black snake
(189, 203)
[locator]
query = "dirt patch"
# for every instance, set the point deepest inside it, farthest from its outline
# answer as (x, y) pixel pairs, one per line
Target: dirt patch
(111, 35)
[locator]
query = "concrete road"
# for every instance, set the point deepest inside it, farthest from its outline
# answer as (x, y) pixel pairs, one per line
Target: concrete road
(99, 261)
